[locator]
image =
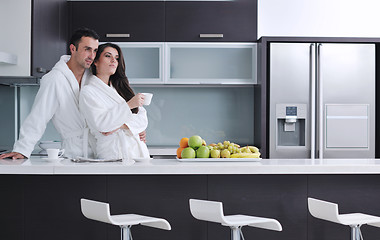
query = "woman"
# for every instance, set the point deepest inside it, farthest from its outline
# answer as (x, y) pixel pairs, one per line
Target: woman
(113, 112)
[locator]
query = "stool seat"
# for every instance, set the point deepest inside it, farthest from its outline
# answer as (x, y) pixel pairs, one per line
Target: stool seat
(100, 211)
(135, 219)
(357, 218)
(329, 211)
(213, 212)
(259, 222)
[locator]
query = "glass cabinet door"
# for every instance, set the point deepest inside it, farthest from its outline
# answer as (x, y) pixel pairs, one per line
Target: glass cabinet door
(143, 62)
(211, 63)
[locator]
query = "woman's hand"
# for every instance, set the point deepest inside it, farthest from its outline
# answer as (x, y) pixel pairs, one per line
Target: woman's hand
(136, 101)
(143, 136)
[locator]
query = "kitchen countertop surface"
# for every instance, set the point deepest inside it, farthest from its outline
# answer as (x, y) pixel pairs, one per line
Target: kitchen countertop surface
(37, 165)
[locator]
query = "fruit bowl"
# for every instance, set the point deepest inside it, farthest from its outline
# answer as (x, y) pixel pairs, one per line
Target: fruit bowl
(219, 159)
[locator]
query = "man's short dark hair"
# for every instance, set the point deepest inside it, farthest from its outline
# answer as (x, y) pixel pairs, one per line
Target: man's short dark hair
(82, 32)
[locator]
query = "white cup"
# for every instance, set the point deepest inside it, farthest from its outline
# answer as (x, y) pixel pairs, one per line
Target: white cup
(148, 98)
(53, 153)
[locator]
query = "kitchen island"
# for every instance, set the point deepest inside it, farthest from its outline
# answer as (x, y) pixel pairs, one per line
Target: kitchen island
(40, 200)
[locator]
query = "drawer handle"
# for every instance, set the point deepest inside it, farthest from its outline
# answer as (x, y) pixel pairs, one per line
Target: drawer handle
(118, 35)
(211, 35)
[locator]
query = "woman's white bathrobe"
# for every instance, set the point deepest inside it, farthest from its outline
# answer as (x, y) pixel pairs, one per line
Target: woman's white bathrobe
(57, 99)
(105, 110)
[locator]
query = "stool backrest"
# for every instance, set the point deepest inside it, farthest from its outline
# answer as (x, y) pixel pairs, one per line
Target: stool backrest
(207, 210)
(95, 210)
(323, 210)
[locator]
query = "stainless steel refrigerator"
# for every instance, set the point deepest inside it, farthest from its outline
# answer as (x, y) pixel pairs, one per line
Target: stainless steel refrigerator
(322, 100)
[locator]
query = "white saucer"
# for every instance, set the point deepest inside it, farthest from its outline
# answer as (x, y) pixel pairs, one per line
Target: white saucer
(142, 159)
(52, 159)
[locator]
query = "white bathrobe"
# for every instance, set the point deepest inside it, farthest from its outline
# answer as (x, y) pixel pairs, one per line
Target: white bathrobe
(57, 99)
(105, 110)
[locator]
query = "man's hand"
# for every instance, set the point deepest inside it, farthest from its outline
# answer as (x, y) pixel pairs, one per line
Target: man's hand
(143, 136)
(13, 155)
(109, 133)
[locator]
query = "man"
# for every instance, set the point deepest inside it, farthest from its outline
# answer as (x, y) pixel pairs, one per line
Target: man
(57, 99)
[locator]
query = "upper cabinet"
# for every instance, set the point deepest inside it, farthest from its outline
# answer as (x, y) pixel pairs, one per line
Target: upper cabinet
(211, 63)
(211, 21)
(49, 34)
(170, 21)
(119, 21)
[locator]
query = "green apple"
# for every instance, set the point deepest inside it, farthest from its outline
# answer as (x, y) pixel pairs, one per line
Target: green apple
(195, 141)
(188, 153)
(203, 152)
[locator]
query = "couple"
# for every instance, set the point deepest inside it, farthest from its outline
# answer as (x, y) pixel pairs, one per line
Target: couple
(106, 103)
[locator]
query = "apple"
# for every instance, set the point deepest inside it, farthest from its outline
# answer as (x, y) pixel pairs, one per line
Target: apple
(188, 153)
(195, 141)
(225, 153)
(203, 152)
(215, 153)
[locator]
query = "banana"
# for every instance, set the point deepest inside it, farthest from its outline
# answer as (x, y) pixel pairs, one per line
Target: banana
(246, 155)
(253, 149)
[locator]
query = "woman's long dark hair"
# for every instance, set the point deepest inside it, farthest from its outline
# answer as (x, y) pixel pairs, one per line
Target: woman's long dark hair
(118, 80)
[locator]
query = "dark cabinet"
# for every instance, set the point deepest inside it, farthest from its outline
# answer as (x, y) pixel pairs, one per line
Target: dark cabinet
(222, 21)
(49, 34)
(120, 21)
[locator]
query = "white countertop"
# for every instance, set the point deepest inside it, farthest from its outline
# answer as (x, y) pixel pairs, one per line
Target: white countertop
(36, 165)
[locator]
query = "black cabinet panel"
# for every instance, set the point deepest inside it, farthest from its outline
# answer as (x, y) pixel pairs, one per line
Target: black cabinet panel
(353, 194)
(282, 197)
(52, 207)
(144, 21)
(159, 196)
(49, 34)
(11, 207)
(236, 20)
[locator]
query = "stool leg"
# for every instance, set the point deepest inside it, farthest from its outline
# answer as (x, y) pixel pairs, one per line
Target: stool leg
(235, 233)
(355, 232)
(126, 233)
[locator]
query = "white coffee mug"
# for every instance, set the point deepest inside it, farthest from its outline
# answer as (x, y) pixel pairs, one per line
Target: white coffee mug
(53, 153)
(148, 98)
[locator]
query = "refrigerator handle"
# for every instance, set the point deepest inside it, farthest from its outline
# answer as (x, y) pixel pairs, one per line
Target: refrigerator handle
(320, 101)
(312, 100)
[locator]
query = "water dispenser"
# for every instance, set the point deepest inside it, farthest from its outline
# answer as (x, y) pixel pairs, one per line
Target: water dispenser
(291, 128)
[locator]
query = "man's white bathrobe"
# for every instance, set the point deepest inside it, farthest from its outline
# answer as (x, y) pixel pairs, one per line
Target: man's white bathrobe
(105, 110)
(57, 99)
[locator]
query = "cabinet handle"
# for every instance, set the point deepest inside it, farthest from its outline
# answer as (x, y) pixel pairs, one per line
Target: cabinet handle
(118, 35)
(42, 70)
(211, 35)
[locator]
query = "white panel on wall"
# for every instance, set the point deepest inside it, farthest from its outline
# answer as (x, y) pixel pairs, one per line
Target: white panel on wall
(15, 35)
(321, 18)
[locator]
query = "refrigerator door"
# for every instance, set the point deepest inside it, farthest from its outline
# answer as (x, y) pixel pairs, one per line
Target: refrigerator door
(347, 100)
(291, 82)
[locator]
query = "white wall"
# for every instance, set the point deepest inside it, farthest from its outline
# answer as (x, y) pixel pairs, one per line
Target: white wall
(320, 18)
(15, 35)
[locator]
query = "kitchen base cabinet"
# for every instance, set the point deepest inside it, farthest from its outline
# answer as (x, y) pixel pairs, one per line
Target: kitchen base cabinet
(39, 207)
(12, 207)
(353, 194)
(281, 197)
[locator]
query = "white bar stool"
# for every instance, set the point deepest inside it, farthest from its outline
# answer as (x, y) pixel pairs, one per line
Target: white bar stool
(213, 212)
(329, 211)
(100, 211)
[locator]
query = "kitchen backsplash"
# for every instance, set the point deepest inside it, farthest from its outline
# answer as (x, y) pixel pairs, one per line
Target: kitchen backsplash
(216, 113)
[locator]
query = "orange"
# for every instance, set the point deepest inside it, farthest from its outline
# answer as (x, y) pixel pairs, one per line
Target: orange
(184, 143)
(179, 151)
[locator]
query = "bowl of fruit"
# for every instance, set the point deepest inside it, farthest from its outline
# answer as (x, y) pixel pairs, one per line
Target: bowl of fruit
(195, 148)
